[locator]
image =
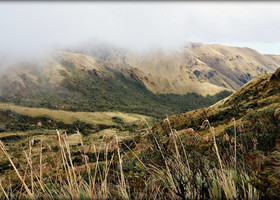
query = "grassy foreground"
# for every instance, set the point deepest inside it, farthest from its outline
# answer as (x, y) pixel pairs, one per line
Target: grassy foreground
(152, 166)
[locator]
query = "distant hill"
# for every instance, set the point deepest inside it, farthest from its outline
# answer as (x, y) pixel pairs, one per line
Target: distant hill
(200, 68)
(158, 82)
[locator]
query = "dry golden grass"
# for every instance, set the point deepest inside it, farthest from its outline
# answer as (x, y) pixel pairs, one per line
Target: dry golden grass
(16, 147)
(70, 117)
(55, 176)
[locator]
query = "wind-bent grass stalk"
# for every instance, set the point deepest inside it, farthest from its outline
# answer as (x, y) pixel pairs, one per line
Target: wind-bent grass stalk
(4, 192)
(123, 185)
(235, 160)
(227, 190)
(32, 169)
(173, 137)
(72, 166)
(65, 164)
(87, 166)
(29, 193)
(41, 160)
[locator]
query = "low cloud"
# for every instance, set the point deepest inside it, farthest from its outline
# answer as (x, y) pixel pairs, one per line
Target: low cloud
(32, 28)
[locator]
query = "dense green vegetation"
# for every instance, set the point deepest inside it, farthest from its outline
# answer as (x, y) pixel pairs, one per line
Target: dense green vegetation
(87, 91)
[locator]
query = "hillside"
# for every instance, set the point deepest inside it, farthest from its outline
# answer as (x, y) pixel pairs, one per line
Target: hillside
(196, 67)
(76, 82)
(156, 83)
(257, 100)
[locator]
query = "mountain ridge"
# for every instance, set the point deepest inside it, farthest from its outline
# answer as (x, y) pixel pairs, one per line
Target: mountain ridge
(168, 82)
(195, 66)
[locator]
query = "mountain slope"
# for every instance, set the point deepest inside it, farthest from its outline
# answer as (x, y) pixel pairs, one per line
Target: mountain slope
(203, 69)
(77, 82)
(259, 97)
(155, 83)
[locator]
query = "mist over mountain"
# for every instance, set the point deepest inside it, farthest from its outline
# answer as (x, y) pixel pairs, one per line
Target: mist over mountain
(102, 77)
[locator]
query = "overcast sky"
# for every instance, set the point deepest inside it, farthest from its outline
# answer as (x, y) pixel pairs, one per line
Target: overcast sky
(29, 28)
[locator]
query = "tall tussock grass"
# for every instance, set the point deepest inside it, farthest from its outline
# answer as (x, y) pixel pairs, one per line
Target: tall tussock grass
(157, 167)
